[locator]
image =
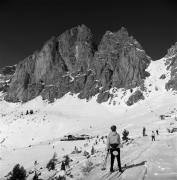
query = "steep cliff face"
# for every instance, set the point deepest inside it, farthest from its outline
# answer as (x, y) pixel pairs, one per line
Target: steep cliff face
(69, 63)
(48, 70)
(120, 61)
(171, 63)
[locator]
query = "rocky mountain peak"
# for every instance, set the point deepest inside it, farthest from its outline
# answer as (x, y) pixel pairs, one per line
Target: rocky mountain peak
(71, 63)
(122, 58)
(119, 39)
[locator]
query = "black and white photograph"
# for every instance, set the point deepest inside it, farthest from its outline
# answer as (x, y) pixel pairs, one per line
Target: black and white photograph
(88, 90)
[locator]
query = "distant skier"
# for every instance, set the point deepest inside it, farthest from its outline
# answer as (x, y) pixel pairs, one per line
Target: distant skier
(153, 136)
(113, 145)
(144, 131)
(76, 149)
(63, 167)
(35, 163)
(157, 132)
(96, 142)
(92, 150)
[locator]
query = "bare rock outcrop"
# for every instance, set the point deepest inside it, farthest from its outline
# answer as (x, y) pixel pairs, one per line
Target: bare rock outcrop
(135, 97)
(119, 62)
(172, 66)
(6, 74)
(48, 71)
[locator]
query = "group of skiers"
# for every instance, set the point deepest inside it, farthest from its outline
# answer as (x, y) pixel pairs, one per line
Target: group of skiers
(114, 145)
(152, 134)
(113, 148)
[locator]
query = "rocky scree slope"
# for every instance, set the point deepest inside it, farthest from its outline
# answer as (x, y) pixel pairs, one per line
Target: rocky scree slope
(71, 63)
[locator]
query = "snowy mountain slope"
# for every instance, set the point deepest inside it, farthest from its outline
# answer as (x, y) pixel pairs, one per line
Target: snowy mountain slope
(155, 83)
(152, 86)
(70, 114)
(48, 120)
(144, 159)
(28, 137)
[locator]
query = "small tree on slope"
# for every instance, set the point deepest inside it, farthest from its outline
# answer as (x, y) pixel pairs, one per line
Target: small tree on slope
(18, 173)
(125, 134)
(52, 162)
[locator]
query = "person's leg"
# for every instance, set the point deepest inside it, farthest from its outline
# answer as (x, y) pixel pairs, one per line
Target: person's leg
(112, 160)
(118, 160)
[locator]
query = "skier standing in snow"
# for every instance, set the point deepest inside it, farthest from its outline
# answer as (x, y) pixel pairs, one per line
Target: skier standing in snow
(144, 131)
(113, 145)
(157, 131)
(153, 136)
(63, 166)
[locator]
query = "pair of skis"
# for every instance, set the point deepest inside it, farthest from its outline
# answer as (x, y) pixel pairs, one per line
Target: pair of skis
(112, 175)
(109, 175)
(107, 154)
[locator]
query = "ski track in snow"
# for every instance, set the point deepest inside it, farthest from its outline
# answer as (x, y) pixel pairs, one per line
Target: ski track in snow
(143, 162)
